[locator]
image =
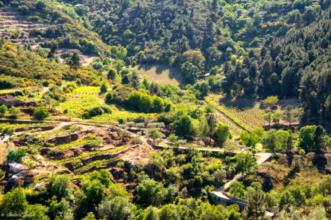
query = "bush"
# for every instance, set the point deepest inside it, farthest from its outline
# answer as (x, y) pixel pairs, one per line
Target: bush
(112, 73)
(184, 126)
(16, 155)
(5, 84)
(222, 133)
(3, 110)
(95, 112)
(40, 113)
(14, 202)
(103, 88)
(109, 98)
(141, 102)
(14, 112)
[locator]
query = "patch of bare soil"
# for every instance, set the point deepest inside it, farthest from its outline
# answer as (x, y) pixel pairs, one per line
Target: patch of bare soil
(3, 152)
(137, 155)
(85, 60)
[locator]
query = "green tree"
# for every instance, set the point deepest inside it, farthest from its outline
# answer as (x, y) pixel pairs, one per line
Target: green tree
(109, 98)
(184, 126)
(311, 138)
(112, 74)
(270, 101)
(169, 212)
(190, 72)
(149, 192)
(59, 186)
(74, 61)
(103, 88)
(277, 140)
(245, 163)
(14, 112)
(237, 190)
(256, 205)
(40, 113)
(89, 216)
(104, 176)
(276, 117)
(325, 186)
(211, 212)
(94, 193)
(14, 202)
(36, 212)
(155, 134)
(222, 133)
(116, 208)
(16, 155)
(151, 213)
(250, 139)
(268, 117)
(3, 110)
(60, 209)
(203, 89)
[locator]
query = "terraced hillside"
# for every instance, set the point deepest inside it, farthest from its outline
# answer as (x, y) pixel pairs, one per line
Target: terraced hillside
(47, 25)
(79, 148)
(20, 29)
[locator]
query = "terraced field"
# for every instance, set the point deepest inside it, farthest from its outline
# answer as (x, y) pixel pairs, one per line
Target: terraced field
(24, 30)
(19, 29)
(78, 148)
(239, 116)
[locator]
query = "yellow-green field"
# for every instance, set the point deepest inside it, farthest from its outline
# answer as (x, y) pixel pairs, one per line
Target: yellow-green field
(87, 97)
(81, 99)
(160, 74)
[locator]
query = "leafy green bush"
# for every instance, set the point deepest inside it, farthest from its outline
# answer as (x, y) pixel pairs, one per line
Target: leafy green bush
(3, 110)
(40, 113)
(141, 102)
(16, 155)
(95, 112)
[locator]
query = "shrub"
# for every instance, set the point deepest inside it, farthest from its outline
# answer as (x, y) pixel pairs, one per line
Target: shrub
(14, 112)
(141, 102)
(103, 88)
(184, 126)
(14, 202)
(95, 112)
(222, 133)
(270, 101)
(112, 73)
(16, 155)
(109, 98)
(5, 84)
(155, 134)
(3, 110)
(40, 113)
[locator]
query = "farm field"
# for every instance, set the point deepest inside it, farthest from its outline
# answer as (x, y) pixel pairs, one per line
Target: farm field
(160, 74)
(247, 116)
(81, 99)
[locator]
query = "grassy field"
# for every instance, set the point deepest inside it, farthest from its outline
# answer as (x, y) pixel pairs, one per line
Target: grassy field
(160, 74)
(243, 114)
(81, 99)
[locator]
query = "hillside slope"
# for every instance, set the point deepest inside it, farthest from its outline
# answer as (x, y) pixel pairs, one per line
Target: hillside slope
(162, 31)
(48, 24)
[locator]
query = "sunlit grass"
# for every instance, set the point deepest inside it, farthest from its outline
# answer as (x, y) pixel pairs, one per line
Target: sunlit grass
(81, 99)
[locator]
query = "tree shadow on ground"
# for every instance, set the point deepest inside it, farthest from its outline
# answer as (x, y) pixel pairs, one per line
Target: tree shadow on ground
(239, 103)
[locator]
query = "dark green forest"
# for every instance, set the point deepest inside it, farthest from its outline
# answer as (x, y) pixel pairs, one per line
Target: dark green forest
(263, 48)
